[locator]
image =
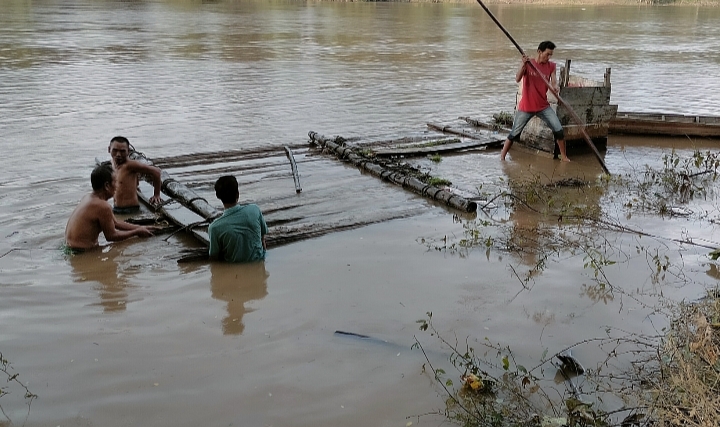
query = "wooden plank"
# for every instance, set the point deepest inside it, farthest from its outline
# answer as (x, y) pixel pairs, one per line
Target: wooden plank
(585, 95)
(455, 130)
(492, 126)
(441, 148)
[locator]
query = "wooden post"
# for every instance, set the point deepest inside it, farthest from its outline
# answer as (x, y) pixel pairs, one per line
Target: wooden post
(565, 78)
(607, 77)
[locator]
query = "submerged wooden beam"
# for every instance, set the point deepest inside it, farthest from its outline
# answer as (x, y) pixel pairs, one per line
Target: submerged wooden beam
(482, 124)
(410, 182)
(440, 148)
(450, 130)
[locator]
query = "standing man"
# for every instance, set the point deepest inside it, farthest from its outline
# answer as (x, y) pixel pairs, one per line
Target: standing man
(94, 215)
(128, 173)
(239, 234)
(534, 98)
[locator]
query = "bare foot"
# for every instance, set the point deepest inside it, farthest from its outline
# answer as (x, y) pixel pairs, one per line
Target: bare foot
(564, 159)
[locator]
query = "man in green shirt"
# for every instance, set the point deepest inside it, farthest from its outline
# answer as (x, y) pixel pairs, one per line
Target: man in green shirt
(239, 234)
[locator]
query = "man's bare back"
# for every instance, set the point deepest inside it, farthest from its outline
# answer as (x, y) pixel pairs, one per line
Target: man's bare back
(94, 215)
(127, 174)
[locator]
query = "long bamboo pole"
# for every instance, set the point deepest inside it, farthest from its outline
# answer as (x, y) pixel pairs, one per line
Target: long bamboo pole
(552, 89)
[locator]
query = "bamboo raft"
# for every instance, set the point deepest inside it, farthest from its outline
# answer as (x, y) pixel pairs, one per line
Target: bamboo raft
(398, 174)
(330, 202)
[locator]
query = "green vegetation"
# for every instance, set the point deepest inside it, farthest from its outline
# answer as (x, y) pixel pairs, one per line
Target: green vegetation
(674, 381)
(503, 119)
(12, 382)
(670, 378)
(437, 182)
(436, 158)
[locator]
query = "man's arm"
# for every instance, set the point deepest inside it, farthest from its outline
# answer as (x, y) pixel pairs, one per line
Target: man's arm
(151, 171)
(263, 230)
(521, 72)
(126, 226)
(113, 233)
(214, 250)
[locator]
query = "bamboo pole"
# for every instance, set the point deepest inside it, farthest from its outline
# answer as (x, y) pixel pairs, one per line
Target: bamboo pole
(561, 101)
(293, 166)
(346, 154)
(450, 130)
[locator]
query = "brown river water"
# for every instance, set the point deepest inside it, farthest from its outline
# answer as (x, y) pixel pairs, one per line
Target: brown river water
(127, 336)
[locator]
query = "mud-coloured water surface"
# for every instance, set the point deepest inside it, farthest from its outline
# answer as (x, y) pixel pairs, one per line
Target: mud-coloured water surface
(125, 335)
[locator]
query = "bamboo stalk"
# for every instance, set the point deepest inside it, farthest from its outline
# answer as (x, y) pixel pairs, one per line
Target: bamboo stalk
(448, 129)
(346, 154)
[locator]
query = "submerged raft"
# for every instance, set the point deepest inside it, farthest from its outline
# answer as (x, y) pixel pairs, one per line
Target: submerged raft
(403, 176)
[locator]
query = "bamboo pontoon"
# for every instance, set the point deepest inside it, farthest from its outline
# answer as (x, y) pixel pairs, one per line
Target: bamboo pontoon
(347, 154)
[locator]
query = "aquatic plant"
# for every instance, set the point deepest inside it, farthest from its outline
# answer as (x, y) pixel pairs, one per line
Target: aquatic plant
(437, 181)
(670, 378)
(503, 119)
(12, 379)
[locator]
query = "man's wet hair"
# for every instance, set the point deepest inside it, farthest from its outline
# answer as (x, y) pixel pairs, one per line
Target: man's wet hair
(101, 175)
(226, 189)
(121, 140)
(546, 45)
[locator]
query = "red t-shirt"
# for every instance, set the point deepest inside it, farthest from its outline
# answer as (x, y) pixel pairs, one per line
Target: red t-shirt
(534, 91)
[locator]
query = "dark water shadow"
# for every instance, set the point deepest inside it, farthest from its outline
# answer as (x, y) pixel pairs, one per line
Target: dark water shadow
(237, 284)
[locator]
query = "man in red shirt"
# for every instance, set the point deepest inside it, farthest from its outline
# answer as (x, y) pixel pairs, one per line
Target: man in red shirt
(534, 98)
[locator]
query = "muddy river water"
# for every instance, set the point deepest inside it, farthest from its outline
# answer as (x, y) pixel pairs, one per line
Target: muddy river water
(127, 336)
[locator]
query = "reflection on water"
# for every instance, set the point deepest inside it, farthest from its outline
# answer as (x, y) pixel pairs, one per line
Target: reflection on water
(542, 198)
(237, 284)
(107, 268)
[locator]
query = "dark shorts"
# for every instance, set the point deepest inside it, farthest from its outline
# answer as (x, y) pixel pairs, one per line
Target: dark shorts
(126, 210)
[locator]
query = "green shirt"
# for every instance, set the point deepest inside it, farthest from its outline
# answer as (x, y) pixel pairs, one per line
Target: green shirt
(237, 235)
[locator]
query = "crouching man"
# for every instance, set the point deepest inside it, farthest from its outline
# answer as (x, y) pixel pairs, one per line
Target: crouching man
(239, 234)
(94, 215)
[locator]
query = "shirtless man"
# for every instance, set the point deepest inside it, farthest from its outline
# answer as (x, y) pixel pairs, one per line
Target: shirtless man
(127, 173)
(94, 215)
